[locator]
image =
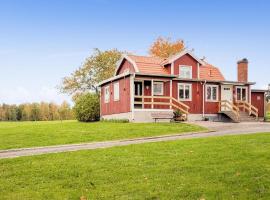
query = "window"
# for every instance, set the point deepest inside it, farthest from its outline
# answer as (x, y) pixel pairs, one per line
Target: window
(211, 93)
(116, 91)
(185, 71)
(107, 94)
(241, 93)
(184, 92)
(158, 88)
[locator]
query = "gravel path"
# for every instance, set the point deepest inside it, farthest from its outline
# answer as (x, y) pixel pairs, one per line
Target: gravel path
(216, 129)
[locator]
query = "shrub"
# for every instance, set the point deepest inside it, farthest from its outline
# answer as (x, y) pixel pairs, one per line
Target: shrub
(87, 107)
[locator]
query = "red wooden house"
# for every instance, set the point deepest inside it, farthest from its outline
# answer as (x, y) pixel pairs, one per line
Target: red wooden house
(143, 86)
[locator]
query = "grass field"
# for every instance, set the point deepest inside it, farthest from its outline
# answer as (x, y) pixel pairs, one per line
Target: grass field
(231, 167)
(31, 134)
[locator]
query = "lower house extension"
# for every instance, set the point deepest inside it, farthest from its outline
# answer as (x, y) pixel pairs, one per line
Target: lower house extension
(146, 86)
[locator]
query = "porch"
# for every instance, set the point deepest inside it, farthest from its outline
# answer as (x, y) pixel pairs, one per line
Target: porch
(156, 94)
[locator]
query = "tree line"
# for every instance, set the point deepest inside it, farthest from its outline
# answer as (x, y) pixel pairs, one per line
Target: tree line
(36, 112)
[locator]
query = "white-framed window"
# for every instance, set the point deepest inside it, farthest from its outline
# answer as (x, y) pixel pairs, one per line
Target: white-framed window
(211, 92)
(158, 88)
(184, 92)
(185, 71)
(107, 94)
(241, 93)
(116, 95)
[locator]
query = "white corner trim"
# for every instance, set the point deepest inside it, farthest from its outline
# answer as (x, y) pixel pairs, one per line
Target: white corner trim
(172, 68)
(128, 59)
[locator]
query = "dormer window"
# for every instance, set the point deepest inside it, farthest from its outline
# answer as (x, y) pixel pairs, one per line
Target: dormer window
(185, 71)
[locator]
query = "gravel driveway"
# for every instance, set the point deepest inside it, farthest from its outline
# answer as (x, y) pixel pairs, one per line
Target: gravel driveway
(216, 129)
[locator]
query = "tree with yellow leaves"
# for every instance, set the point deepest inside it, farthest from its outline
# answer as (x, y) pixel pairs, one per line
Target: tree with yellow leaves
(165, 47)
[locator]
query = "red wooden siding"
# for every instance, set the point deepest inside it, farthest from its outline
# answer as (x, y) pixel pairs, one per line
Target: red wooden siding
(212, 107)
(257, 100)
(126, 65)
(186, 60)
(196, 104)
(121, 106)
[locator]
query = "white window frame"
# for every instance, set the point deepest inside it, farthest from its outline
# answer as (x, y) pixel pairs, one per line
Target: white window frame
(241, 97)
(211, 97)
(187, 66)
(107, 97)
(162, 89)
(184, 86)
(116, 88)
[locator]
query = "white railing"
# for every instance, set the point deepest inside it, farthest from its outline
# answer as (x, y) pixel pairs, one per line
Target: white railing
(166, 101)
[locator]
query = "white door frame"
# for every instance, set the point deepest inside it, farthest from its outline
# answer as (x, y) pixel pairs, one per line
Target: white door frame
(222, 92)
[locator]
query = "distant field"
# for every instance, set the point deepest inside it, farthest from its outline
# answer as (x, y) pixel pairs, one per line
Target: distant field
(231, 167)
(31, 134)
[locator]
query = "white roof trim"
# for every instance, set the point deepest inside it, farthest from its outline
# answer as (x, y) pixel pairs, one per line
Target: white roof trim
(113, 78)
(182, 53)
(128, 59)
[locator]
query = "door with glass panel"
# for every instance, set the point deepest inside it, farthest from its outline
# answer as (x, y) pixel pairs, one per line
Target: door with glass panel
(138, 92)
(226, 95)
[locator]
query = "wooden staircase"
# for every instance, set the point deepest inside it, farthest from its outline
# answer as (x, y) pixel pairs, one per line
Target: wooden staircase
(240, 112)
(245, 117)
(230, 110)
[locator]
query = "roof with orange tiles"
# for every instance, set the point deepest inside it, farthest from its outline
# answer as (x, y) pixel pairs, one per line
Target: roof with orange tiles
(149, 65)
(155, 65)
(211, 73)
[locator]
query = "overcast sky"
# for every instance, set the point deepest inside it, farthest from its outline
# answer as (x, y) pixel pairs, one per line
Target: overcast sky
(43, 41)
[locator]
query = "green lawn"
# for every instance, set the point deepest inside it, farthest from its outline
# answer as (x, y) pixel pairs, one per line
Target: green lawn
(231, 167)
(31, 134)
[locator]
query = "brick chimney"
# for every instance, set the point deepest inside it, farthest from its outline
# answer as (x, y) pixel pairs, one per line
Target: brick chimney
(242, 69)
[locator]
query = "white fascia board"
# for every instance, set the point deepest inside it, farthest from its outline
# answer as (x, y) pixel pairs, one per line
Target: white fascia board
(126, 57)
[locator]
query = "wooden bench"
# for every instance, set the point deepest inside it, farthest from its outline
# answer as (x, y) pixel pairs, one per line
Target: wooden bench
(161, 115)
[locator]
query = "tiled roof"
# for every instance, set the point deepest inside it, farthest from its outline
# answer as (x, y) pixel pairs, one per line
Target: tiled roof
(149, 65)
(209, 72)
(154, 65)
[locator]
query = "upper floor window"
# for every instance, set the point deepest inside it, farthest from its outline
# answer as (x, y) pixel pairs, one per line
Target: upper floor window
(107, 94)
(211, 93)
(158, 88)
(184, 92)
(116, 95)
(241, 93)
(185, 71)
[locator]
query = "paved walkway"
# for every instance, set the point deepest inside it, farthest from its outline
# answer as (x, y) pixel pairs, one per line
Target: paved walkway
(217, 129)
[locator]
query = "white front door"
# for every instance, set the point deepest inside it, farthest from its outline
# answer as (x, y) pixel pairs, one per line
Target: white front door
(226, 94)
